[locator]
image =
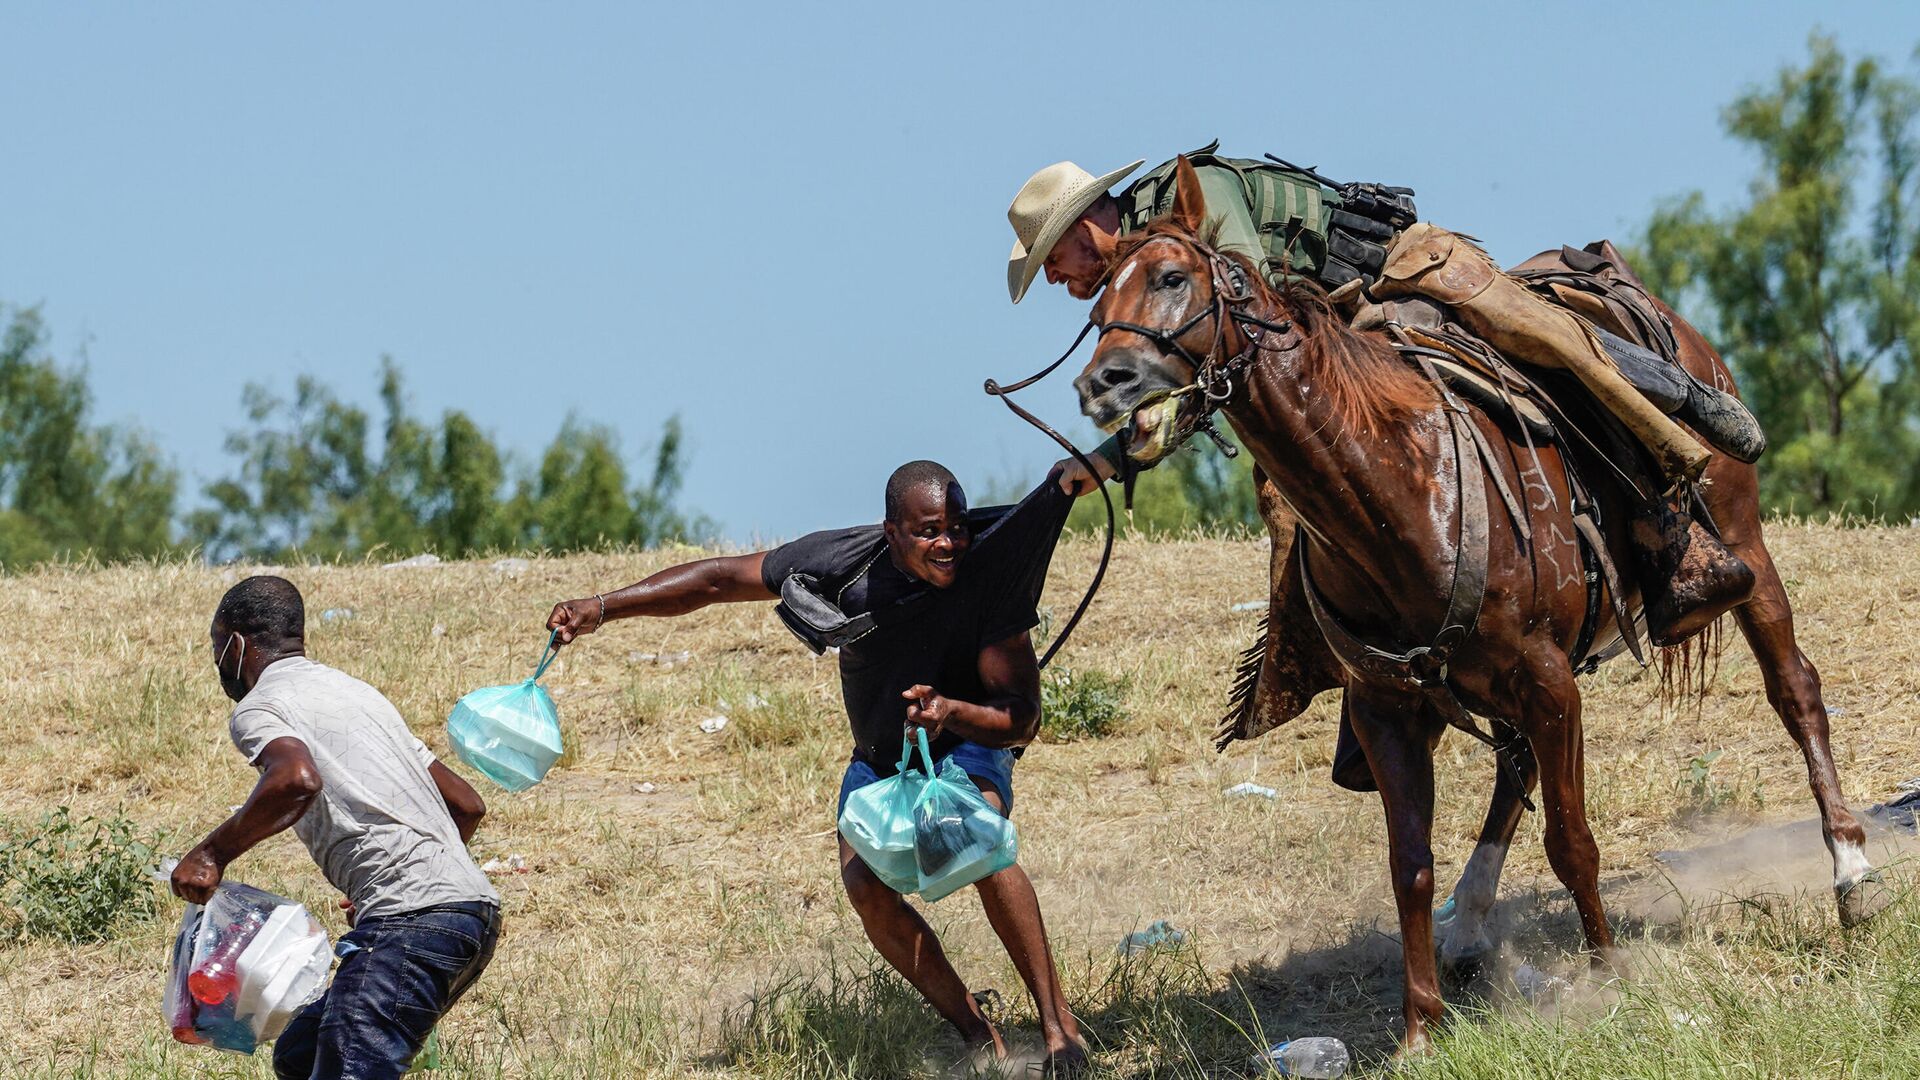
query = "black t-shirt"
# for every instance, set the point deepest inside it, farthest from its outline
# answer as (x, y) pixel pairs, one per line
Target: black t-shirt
(937, 638)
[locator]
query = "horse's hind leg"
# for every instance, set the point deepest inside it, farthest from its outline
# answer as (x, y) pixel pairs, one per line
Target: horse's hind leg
(1793, 688)
(1468, 939)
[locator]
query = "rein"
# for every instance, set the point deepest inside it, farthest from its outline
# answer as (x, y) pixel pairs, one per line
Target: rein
(994, 389)
(1213, 377)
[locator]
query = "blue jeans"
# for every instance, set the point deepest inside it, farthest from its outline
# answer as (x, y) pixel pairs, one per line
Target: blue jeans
(398, 975)
(988, 767)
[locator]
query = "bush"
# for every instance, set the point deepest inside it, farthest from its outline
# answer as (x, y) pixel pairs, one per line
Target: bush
(1081, 705)
(73, 879)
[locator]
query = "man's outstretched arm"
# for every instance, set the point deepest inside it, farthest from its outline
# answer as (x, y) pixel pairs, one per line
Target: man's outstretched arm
(673, 591)
(1010, 715)
(289, 784)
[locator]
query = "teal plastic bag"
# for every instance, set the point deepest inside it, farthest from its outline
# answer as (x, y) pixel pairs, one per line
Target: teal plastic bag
(878, 824)
(957, 837)
(510, 733)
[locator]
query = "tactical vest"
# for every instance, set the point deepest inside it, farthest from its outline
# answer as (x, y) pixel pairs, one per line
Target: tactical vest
(1307, 226)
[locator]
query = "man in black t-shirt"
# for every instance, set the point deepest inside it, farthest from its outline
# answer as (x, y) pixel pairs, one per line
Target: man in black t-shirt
(937, 604)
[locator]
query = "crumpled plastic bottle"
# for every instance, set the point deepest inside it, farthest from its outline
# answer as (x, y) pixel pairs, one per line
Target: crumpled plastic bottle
(1319, 1058)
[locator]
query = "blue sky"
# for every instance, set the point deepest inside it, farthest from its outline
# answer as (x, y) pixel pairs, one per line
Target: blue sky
(784, 222)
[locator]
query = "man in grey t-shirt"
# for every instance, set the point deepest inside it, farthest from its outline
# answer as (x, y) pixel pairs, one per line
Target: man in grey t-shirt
(386, 821)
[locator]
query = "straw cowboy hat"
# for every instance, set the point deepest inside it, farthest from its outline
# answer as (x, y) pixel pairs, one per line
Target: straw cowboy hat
(1049, 202)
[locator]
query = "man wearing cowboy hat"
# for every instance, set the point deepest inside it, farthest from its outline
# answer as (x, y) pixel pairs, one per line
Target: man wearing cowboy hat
(1057, 209)
(1363, 242)
(1053, 218)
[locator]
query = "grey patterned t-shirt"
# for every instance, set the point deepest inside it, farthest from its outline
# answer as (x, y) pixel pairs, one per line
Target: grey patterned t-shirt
(380, 831)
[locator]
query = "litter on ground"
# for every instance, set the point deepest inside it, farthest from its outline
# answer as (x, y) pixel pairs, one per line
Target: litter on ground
(427, 558)
(1159, 933)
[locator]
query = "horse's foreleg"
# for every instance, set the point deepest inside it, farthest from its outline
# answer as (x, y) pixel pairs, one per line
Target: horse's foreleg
(1793, 689)
(1553, 726)
(1399, 736)
(1468, 939)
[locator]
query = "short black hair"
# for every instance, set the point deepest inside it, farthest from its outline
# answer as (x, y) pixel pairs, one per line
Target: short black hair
(912, 475)
(264, 609)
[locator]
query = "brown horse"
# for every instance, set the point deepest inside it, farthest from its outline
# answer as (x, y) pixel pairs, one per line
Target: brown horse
(1362, 448)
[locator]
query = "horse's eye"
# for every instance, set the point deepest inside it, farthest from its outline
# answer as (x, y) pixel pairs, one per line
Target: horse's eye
(1173, 279)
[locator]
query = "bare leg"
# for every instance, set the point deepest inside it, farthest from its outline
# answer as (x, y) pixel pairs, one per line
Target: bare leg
(1013, 909)
(1793, 689)
(1399, 738)
(1468, 940)
(1553, 725)
(909, 944)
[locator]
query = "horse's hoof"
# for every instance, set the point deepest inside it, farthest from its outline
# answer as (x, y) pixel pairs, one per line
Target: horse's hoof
(1412, 1049)
(1862, 899)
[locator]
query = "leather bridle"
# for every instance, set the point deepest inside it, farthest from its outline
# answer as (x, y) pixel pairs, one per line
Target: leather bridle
(1214, 375)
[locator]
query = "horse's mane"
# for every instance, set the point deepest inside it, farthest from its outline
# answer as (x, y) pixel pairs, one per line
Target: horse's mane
(1361, 378)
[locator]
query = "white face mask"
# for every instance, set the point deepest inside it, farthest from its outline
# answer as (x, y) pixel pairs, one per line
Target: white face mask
(233, 685)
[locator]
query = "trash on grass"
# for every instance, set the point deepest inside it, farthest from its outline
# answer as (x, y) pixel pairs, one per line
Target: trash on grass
(713, 725)
(511, 566)
(512, 864)
(1252, 605)
(645, 787)
(1248, 789)
(665, 660)
(1159, 934)
(1321, 1058)
(335, 614)
(426, 558)
(439, 630)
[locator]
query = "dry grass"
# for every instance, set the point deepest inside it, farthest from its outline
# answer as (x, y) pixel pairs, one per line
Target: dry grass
(699, 929)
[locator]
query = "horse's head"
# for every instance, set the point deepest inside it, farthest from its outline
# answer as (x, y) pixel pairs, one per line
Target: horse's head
(1162, 315)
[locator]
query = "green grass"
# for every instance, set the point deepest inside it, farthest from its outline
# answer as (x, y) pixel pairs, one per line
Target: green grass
(1083, 704)
(683, 917)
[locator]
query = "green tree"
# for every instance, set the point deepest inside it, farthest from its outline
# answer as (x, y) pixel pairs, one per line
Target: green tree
(310, 483)
(67, 486)
(1811, 287)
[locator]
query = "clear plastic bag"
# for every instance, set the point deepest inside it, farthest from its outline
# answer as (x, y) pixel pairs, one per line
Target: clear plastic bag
(510, 733)
(242, 966)
(878, 824)
(958, 838)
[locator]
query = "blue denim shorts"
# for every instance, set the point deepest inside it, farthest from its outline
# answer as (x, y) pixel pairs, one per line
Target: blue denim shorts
(992, 767)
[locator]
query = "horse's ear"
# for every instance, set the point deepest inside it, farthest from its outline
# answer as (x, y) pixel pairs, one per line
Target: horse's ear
(1104, 242)
(1189, 203)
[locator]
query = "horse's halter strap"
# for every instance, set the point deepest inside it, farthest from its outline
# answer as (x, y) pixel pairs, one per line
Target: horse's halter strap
(1214, 374)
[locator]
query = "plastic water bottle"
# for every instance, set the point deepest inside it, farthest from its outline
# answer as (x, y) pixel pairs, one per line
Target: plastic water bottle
(215, 979)
(1319, 1058)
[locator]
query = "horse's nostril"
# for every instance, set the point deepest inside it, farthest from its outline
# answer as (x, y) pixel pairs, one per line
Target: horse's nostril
(1114, 376)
